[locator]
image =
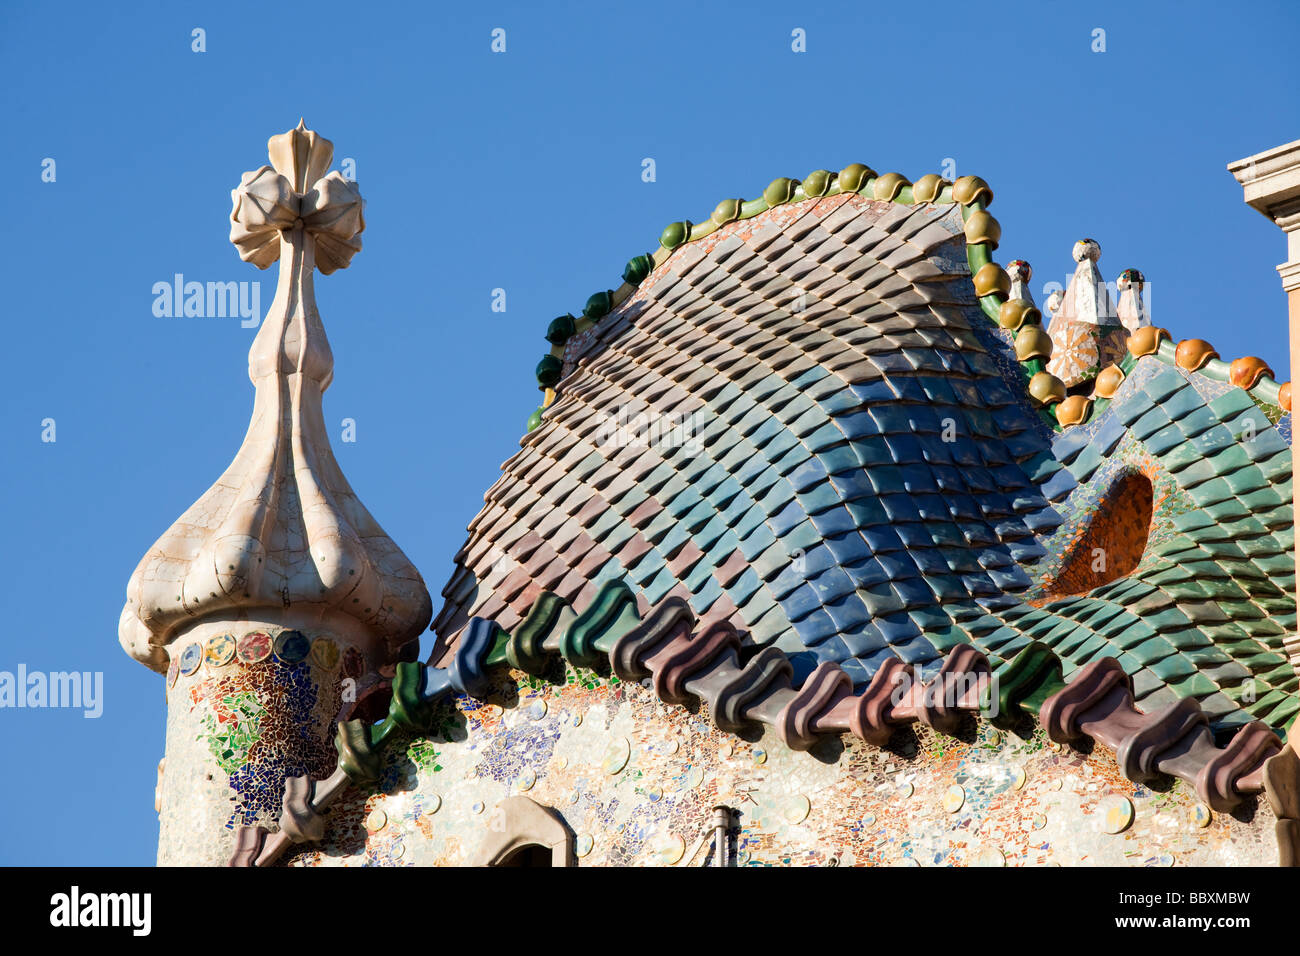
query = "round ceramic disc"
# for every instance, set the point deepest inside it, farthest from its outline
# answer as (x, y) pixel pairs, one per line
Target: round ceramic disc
(669, 848)
(253, 647)
(954, 798)
(325, 653)
(989, 856)
(291, 646)
(191, 658)
(795, 809)
(220, 650)
(616, 756)
(1116, 813)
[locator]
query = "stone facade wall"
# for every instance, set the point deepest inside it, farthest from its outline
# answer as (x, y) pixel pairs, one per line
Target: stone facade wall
(636, 781)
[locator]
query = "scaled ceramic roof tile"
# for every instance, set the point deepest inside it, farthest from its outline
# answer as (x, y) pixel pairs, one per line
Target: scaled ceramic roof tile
(859, 458)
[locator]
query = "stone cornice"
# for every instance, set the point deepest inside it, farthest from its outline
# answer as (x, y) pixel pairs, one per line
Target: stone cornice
(1271, 179)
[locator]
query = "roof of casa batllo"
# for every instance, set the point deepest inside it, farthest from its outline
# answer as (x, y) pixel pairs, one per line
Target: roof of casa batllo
(817, 458)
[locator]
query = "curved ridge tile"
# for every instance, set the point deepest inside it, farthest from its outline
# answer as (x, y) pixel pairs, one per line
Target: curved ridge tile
(299, 820)
(686, 657)
(545, 618)
(1023, 684)
(1281, 780)
(728, 699)
(357, 754)
(1061, 713)
(870, 714)
(248, 844)
(468, 671)
(958, 687)
(669, 619)
(1248, 750)
(1098, 703)
(409, 707)
(610, 615)
(1139, 753)
(820, 692)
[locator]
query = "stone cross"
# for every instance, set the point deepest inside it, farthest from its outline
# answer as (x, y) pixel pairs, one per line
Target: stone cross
(292, 211)
(293, 205)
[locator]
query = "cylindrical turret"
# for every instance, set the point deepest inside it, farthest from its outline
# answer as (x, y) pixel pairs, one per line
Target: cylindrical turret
(276, 596)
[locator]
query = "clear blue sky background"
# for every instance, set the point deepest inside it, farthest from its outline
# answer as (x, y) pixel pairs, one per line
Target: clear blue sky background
(520, 171)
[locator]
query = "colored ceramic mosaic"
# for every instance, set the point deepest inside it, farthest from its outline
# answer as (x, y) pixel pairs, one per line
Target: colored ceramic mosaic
(246, 726)
(855, 805)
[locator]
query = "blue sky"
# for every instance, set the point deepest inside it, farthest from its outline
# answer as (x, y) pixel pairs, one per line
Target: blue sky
(519, 171)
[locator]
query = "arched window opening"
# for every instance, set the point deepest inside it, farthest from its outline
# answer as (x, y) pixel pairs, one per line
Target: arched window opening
(1113, 542)
(528, 856)
(522, 832)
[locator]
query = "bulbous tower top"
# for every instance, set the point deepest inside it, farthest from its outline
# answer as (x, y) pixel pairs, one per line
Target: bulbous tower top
(282, 528)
